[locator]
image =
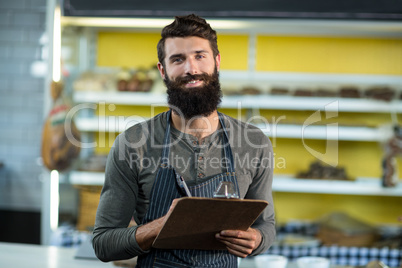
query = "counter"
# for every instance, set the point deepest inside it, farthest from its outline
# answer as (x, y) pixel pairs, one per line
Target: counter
(37, 256)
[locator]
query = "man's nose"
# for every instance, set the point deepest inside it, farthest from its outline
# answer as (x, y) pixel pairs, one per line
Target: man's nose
(191, 66)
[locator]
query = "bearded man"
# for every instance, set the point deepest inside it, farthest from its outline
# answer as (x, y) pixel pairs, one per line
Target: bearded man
(194, 140)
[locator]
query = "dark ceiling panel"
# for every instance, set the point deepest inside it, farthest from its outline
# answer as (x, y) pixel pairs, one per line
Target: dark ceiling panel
(308, 9)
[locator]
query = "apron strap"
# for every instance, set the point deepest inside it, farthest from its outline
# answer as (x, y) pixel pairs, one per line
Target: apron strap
(227, 149)
(166, 141)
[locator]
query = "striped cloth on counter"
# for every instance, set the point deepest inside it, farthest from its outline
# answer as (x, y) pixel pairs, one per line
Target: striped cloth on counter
(340, 255)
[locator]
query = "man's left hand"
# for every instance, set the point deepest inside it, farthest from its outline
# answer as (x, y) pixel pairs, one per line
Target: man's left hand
(240, 243)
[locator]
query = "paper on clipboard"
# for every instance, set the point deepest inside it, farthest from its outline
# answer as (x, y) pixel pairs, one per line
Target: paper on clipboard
(194, 221)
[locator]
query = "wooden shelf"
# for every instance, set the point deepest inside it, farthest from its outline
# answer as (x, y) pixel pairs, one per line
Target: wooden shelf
(328, 132)
(361, 186)
(107, 124)
(249, 102)
(346, 133)
(310, 78)
(122, 98)
(87, 178)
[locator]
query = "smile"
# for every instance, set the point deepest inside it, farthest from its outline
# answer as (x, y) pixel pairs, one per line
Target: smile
(193, 81)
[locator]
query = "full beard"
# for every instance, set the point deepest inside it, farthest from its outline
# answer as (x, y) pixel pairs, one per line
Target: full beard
(196, 101)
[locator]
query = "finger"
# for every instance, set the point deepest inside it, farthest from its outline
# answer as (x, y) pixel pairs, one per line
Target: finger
(246, 249)
(236, 249)
(237, 253)
(240, 240)
(250, 234)
(238, 245)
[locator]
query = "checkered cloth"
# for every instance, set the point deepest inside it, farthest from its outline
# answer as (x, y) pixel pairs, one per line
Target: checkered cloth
(67, 236)
(341, 255)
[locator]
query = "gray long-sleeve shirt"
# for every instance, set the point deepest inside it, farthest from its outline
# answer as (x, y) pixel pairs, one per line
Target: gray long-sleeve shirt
(133, 164)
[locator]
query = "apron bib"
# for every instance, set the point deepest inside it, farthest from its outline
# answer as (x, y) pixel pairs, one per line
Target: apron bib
(164, 190)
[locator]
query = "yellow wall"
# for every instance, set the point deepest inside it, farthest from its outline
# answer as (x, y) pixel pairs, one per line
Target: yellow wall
(329, 55)
(361, 159)
(310, 207)
(138, 50)
(273, 53)
(234, 52)
(131, 50)
(290, 54)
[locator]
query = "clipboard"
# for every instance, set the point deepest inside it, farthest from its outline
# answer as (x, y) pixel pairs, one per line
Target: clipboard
(194, 222)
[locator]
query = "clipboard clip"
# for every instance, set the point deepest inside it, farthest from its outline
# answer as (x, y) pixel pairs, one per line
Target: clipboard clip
(182, 184)
(225, 189)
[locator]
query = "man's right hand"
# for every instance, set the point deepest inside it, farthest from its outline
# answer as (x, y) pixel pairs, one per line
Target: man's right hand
(146, 234)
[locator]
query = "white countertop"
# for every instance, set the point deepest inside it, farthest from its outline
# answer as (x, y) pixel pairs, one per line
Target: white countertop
(35, 256)
(14, 255)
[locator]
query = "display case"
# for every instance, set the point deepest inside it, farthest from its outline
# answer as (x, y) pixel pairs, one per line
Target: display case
(366, 121)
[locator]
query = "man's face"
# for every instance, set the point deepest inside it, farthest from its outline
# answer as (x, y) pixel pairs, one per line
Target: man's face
(191, 76)
(189, 55)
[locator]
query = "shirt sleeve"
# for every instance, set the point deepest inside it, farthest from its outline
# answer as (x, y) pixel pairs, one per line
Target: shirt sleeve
(261, 188)
(112, 240)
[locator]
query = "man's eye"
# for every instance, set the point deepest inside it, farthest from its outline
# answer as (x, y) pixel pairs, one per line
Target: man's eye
(177, 60)
(199, 56)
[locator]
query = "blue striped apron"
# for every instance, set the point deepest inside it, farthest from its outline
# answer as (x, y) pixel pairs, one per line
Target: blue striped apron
(164, 190)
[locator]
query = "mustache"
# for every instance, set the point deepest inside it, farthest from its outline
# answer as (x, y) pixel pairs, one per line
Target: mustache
(189, 77)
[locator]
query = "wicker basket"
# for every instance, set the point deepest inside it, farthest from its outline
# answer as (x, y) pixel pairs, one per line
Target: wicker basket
(89, 200)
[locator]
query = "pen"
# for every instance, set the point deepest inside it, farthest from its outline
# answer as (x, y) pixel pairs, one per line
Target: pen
(184, 185)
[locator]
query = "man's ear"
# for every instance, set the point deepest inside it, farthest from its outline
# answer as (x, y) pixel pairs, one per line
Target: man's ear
(218, 62)
(161, 70)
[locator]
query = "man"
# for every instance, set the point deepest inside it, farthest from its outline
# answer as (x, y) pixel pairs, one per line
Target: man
(191, 139)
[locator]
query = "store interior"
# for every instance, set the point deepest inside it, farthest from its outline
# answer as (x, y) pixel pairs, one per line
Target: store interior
(328, 94)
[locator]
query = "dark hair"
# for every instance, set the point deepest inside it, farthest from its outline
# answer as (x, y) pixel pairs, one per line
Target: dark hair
(185, 26)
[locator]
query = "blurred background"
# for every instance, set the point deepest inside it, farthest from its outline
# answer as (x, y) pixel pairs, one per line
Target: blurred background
(322, 80)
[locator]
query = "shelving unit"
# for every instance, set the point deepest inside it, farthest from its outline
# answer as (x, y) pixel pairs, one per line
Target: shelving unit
(119, 124)
(360, 186)
(87, 178)
(249, 102)
(350, 133)
(105, 124)
(90, 125)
